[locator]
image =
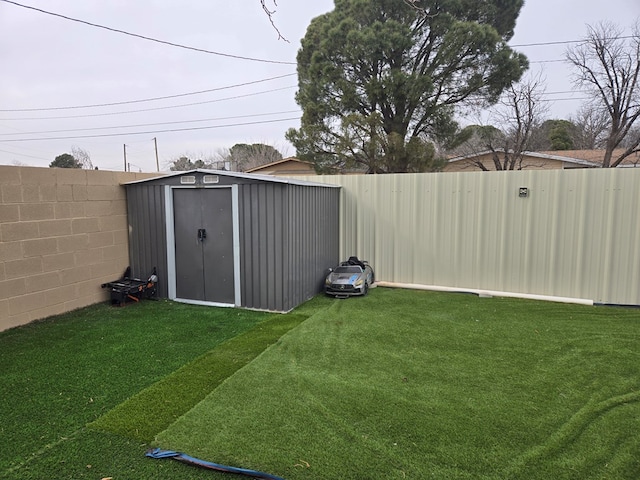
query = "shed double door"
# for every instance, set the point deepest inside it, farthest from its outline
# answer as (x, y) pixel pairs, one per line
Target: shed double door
(203, 222)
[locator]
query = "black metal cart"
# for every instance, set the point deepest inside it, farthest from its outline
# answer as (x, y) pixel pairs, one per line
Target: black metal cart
(132, 289)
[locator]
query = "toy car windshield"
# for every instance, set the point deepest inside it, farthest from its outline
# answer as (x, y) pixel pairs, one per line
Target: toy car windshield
(348, 269)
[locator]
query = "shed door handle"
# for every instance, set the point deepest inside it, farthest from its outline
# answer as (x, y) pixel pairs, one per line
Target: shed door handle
(202, 234)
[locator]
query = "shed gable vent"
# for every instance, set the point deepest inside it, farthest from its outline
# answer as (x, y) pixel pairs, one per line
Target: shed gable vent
(211, 179)
(188, 179)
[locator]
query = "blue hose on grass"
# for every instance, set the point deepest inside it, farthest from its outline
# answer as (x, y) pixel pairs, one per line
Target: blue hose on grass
(181, 457)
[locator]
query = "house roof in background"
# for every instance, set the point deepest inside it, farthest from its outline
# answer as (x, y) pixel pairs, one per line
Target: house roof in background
(280, 162)
(549, 155)
(596, 156)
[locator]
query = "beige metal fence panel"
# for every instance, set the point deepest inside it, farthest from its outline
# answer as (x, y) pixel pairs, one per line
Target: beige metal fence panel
(576, 234)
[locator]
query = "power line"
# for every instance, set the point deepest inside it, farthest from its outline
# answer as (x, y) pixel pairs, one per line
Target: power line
(175, 106)
(153, 99)
(565, 42)
(564, 99)
(23, 155)
(150, 132)
(150, 124)
(177, 45)
(547, 61)
(564, 92)
(167, 97)
(143, 37)
(150, 109)
(544, 44)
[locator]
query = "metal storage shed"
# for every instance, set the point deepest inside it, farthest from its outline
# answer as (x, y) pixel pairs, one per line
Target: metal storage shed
(233, 239)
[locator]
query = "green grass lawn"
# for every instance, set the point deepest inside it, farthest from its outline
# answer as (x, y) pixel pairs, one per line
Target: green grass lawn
(399, 384)
(57, 375)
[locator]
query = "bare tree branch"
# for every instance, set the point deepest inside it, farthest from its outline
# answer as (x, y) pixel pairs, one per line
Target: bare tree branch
(270, 14)
(519, 112)
(593, 123)
(82, 157)
(608, 66)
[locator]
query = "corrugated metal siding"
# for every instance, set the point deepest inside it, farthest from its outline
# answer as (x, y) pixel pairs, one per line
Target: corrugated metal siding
(576, 235)
(262, 245)
(147, 234)
(288, 238)
(314, 239)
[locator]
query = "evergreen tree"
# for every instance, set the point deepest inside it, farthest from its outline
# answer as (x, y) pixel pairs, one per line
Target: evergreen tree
(379, 79)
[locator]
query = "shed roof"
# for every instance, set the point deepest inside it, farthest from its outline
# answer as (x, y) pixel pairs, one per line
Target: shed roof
(249, 176)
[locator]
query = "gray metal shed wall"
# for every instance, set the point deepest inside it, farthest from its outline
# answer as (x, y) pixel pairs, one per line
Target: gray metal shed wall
(147, 233)
(315, 238)
(289, 238)
(263, 246)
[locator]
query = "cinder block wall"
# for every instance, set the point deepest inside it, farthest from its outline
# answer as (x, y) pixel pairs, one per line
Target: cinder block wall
(63, 232)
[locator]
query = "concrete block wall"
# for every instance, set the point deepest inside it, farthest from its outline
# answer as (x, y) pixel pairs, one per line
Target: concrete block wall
(63, 232)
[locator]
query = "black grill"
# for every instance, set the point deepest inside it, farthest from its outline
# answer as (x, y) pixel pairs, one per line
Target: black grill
(341, 289)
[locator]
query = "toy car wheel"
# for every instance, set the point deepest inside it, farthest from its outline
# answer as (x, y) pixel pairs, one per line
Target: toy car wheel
(366, 289)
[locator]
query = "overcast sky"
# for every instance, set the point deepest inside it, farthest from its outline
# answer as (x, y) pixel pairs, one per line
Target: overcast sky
(49, 64)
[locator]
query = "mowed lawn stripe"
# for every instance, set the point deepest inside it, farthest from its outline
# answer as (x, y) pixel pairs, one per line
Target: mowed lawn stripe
(153, 409)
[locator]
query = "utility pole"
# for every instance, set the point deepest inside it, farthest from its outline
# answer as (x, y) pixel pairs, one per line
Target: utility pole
(125, 157)
(155, 142)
